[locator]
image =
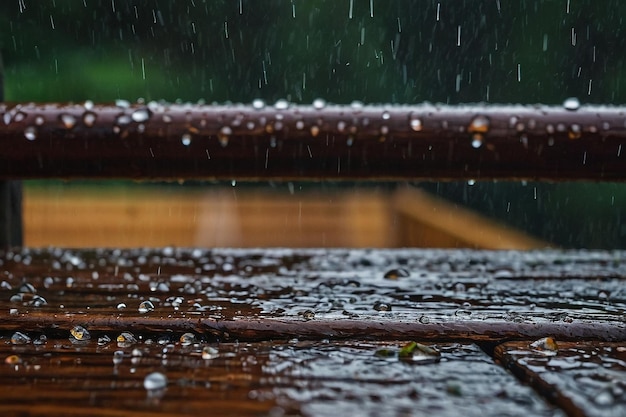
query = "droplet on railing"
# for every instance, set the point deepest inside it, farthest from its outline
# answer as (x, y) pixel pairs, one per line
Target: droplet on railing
(141, 115)
(281, 104)
(123, 119)
(477, 140)
(124, 104)
(89, 118)
(479, 124)
(30, 133)
(571, 103)
(258, 104)
(319, 103)
(356, 105)
(186, 139)
(575, 132)
(224, 135)
(67, 120)
(415, 122)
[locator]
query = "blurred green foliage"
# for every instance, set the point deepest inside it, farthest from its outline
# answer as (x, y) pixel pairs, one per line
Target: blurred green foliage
(342, 50)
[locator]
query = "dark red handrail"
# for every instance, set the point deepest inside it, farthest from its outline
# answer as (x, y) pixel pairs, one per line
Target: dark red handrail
(311, 142)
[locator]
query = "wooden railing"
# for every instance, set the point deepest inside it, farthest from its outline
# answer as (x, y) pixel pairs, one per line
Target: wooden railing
(318, 141)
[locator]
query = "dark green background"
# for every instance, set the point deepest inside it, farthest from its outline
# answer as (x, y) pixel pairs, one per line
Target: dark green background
(393, 52)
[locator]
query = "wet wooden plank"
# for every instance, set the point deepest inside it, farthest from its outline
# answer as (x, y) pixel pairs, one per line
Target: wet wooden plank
(236, 294)
(251, 379)
(285, 141)
(585, 378)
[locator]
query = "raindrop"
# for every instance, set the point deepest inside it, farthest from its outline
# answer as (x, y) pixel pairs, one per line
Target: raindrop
(319, 103)
(471, 182)
(209, 352)
(104, 340)
(39, 120)
(546, 345)
(479, 124)
(258, 104)
(419, 354)
(155, 381)
(299, 125)
(80, 333)
(186, 139)
(397, 273)
(19, 116)
(89, 119)
(19, 338)
(126, 339)
(424, 319)
(415, 123)
(386, 115)
(380, 306)
(88, 105)
(121, 306)
(30, 133)
(118, 357)
(356, 105)
(571, 103)
(67, 120)
(281, 104)
(223, 135)
(27, 287)
(574, 132)
(307, 314)
(123, 104)
(146, 307)
(12, 360)
(187, 339)
(315, 131)
(477, 140)
(123, 119)
(141, 115)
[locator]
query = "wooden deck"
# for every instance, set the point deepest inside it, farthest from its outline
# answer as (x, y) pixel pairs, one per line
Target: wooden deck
(313, 332)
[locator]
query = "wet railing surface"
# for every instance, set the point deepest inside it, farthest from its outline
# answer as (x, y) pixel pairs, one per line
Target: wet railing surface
(312, 332)
(172, 141)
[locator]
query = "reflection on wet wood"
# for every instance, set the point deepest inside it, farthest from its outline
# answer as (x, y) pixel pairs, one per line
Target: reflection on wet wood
(584, 378)
(286, 141)
(268, 378)
(296, 331)
(284, 293)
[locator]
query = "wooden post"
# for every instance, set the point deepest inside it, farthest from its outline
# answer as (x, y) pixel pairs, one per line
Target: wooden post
(10, 199)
